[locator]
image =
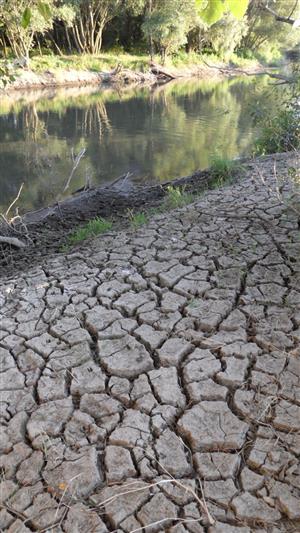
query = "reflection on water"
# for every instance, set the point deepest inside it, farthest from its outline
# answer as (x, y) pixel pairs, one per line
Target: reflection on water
(156, 134)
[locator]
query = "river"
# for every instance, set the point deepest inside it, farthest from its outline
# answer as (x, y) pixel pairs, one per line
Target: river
(156, 134)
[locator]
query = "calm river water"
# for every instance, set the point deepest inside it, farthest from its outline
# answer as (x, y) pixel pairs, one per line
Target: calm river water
(156, 134)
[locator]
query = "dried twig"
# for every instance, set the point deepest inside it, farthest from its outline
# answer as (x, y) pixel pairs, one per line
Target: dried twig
(15, 200)
(76, 162)
(13, 241)
(201, 502)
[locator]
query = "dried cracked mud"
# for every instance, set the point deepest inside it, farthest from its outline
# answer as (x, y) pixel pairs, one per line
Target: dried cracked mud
(151, 379)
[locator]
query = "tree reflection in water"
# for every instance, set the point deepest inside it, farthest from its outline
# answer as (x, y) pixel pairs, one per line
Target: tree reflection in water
(156, 133)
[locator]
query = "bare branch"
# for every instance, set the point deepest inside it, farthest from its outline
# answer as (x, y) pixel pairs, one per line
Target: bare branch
(15, 200)
(76, 162)
(277, 17)
(13, 241)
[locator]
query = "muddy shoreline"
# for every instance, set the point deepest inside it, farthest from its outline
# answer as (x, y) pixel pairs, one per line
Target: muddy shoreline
(48, 228)
(27, 79)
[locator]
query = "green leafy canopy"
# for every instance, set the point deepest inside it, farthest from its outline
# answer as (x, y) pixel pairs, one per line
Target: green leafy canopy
(43, 8)
(213, 10)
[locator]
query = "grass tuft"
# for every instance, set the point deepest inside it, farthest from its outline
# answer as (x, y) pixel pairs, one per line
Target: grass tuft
(223, 171)
(91, 229)
(177, 197)
(137, 219)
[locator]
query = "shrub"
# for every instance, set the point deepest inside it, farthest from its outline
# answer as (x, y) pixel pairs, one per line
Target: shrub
(280, 133)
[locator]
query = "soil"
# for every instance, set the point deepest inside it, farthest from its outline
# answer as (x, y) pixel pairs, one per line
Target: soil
(151, 380)
(27, 79)
(48, 228)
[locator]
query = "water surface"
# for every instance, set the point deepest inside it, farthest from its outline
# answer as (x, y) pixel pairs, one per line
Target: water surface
(154, 133)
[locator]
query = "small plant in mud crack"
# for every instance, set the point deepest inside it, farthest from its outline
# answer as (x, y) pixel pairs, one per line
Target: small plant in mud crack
(94, 227)
(193, 303)
(137, 219)
(177, 197)
(223, 171)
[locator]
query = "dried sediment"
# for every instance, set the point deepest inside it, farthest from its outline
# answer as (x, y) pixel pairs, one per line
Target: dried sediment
(172, 350)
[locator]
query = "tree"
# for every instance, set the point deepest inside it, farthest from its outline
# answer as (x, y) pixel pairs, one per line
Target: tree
(267, 28)
(225, 35)
(22, 20)
(169, 23)
(90, 19)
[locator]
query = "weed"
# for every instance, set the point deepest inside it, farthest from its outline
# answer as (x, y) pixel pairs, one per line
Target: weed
(177, 197)
(193, 303)
(137, 219)
(223, 171)
(91, 229)
(280, 133)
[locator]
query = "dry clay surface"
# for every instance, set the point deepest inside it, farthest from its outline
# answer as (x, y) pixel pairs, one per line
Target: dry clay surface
(151, 378)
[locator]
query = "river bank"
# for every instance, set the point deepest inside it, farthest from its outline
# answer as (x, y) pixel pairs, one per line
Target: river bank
(124, 72)
(46, 231)
(162, 356)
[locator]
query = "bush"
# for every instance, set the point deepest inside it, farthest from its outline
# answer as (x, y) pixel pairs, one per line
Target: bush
(223, 170)
(280, 134)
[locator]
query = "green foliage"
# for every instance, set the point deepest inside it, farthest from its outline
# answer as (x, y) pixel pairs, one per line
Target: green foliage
(43, 8)
(165, 26)
(26, 17)
(214, 10)
(238, 8)
(280, 133)
(177, 197)
(137, 219)
(168, 24)
(91, 229)
(22, 21)
(6, 75)
(225, 35)
(267, 33)
(223, 170)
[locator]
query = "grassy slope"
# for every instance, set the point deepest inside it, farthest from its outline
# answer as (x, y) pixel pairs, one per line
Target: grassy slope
(137, 62)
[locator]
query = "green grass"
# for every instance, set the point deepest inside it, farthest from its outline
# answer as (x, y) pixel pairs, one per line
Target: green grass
(137, 219)
(95, 63)
(223, 171)
(91, 229)
(177, 197)
(136, 61)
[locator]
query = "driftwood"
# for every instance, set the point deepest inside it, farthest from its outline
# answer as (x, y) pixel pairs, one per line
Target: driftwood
(12, 241)
(280, 77)
(158, 70)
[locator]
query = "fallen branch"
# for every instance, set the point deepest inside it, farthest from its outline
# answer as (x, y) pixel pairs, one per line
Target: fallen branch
(158, 70)
(281, 77)
(124, 177)
(13, 241)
